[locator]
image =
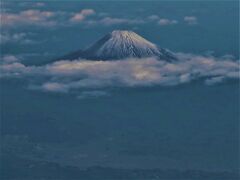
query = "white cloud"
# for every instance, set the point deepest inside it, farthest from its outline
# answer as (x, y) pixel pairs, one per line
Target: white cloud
(9, 59)
(214, 80)
(5, 37)
(65, 76)
(54, 87)
(191, 20)
(79, 17)
(111, 21)
(114, 21)
(46, 18)
(31, 4)
(161, 21)
(52, 19)
(28, 17)
(39, 4)
(164, 22)
(12, 70)
(153, 17)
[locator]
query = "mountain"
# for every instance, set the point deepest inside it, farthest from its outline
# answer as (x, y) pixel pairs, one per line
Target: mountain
(120, 45)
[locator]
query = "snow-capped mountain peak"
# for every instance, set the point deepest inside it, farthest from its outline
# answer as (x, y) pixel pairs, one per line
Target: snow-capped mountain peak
(121, 45)
(126, 39)
(126, 43)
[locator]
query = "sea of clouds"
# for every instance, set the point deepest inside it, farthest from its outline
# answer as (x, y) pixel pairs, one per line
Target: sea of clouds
(66, 76)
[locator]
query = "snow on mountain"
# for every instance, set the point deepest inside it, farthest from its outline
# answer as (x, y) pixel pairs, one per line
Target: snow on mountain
(121, 45)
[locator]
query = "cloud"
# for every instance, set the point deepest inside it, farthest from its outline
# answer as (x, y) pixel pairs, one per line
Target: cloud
(108, 21)
(164, 22)
(39, 4)
(28, 17)
(64, 76)
(20, 38)
(5, 37)
(78, 17)
(7, 59)
(112, 21)
(52, 19)
(31, 4)
(153, 17)
(214, 80)
(161, 21)
(45, 18)
(191, 20)
(54, 87)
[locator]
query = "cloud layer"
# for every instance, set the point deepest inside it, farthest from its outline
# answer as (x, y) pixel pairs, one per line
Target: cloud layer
(28, 17)
(191, 20)
(78, 17)
(65, 76)
(37, 16)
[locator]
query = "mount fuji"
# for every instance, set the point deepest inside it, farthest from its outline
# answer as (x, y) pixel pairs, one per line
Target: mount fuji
(121, 45)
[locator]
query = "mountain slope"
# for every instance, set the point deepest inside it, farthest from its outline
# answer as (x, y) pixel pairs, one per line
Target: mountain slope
(121, 45)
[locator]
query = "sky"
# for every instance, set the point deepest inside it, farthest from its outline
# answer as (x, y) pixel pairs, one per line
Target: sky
(81, 116)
